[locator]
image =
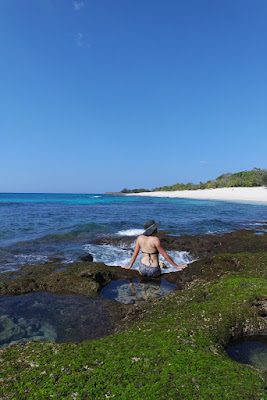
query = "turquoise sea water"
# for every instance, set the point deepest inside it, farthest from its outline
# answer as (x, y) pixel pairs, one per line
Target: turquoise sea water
(38, 227)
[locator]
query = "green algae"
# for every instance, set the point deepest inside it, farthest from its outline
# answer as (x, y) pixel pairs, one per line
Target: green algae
(171, 348)
(85, 279)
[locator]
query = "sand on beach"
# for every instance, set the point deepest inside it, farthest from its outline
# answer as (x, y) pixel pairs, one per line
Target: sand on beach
(250, 194)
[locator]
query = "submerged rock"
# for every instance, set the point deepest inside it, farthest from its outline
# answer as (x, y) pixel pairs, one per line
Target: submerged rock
(22, 330)
(53, 318)
(136, 290)
(9, 330)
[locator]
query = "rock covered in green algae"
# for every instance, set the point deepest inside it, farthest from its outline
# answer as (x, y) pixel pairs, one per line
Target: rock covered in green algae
(85, 279)
(172, 348)
(214, 267)
(88, 278)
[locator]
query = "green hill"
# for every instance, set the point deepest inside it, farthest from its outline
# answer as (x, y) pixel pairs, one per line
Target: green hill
(253, 178)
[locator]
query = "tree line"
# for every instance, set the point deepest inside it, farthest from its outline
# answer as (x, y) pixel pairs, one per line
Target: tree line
(255, 177)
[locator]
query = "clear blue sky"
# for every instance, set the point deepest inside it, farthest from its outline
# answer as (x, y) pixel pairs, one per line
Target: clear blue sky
(98, 95)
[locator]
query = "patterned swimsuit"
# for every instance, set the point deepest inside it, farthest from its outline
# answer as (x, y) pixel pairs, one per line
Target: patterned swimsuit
(147, 270)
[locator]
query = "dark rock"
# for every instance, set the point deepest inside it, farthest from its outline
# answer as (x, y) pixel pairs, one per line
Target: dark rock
(201, 246)
(87, 257)
(85, 279)
(213, 268)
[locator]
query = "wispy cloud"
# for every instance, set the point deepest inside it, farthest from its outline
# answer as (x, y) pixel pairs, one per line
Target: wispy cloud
(78, 5)
(81, 42)
(79, 39)
(203, 162)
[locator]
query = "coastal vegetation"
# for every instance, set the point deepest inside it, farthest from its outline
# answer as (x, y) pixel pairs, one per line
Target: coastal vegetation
(134, 190)
(255, 177)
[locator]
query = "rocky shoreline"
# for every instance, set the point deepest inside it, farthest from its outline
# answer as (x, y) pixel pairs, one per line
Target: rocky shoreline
(88, 278)
(201, 246)
(223, 297)
(216, 256)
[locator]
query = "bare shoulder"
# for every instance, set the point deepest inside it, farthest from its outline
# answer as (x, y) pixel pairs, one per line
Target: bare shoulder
(156, 240)
(142, 239)
(139, 239)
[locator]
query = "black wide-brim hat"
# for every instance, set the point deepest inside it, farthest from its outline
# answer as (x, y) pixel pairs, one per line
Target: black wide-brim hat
(150, 226)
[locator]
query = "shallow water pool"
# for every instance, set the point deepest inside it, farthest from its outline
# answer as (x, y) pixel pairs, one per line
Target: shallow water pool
(250, 350)
(136, 290)
(51, 318)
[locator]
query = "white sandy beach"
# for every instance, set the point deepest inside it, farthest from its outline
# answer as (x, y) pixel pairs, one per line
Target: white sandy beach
(241, 194)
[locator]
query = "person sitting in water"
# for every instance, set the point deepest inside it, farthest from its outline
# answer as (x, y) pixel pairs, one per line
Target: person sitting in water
(150, 246)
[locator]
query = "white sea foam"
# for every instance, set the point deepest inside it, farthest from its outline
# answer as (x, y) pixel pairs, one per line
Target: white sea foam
(124, 245)
(18, 260)
(109, 255)
(218, 232)
(31, 258)
(130, 232)
(116, 256)
(8, 268)
(256, 224)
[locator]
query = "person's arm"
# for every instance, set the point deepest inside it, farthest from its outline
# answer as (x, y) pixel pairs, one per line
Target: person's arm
(135, 254)
(167, 257)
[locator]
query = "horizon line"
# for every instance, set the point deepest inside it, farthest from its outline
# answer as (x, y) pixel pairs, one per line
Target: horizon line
(48, 193)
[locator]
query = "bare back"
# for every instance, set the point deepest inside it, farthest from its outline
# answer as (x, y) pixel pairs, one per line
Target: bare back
(148, 245)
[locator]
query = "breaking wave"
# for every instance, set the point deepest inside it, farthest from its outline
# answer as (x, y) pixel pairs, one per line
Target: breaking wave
(130, 232)
(117, 256)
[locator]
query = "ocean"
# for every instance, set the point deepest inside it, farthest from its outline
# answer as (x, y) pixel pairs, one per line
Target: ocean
(40, 228)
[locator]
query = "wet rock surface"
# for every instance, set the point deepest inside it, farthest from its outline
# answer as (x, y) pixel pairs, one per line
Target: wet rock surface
(212, 268)
(201, 246)
(88, 278)
(85, 279)
(86, 257)
(179, 337)
(182, 336)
